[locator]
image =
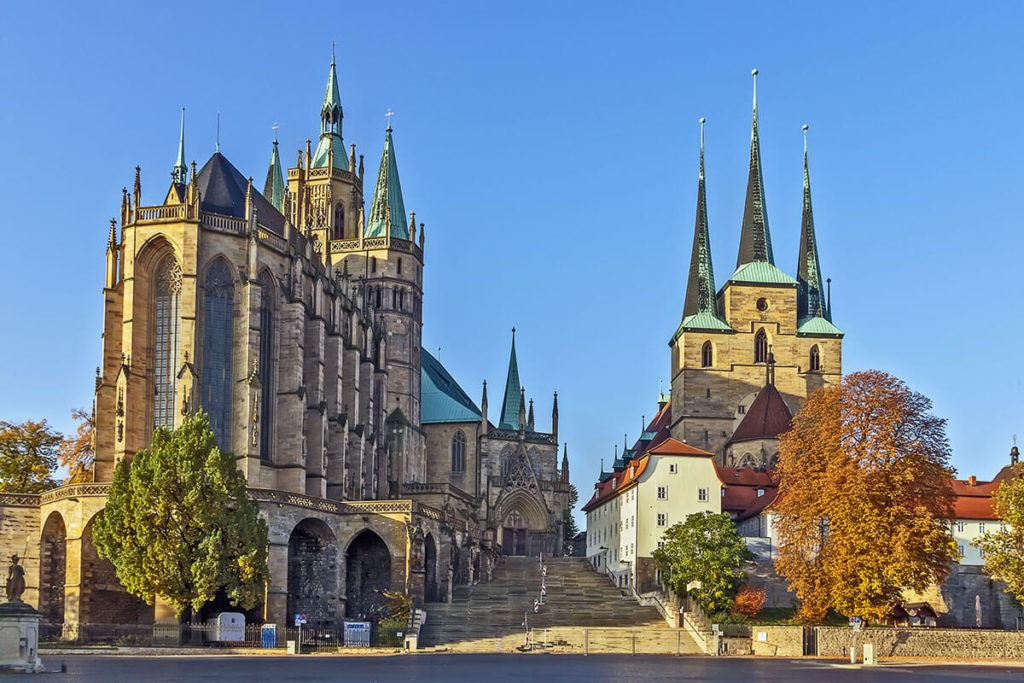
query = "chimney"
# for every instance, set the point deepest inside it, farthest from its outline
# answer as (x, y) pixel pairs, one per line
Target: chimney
(972, 480)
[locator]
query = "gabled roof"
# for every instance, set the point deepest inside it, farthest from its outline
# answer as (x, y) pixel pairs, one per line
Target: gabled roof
(766, 418)
(223, 189)
(442, 399)
(742, 486)
(817, 326)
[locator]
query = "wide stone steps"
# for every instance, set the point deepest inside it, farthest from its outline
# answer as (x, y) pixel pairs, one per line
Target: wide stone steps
(494, 616)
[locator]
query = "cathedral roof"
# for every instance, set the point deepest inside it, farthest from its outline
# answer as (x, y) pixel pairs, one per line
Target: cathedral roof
(766, 418)
(442, 399)
(223, 189)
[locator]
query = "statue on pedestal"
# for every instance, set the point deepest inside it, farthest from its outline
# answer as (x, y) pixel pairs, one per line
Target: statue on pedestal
(15, 580)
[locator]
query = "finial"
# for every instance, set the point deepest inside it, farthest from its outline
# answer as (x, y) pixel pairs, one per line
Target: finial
(702, 121)
(389, 114)
(332, 53)
(754, 74)
(217, 148)
(805, 127)
(438, 354)
(513, 334)
(274, 128)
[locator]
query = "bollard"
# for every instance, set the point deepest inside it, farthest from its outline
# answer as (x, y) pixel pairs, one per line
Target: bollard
(586, 642)
(634, 644)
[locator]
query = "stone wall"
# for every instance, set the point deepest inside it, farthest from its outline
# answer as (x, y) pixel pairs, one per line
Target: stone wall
(19, 534)
(922, 642)
(777, 641)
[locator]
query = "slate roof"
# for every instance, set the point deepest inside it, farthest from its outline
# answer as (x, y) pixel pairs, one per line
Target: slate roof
(442, 399)
(223, 188)
(755, 237)
(766, 418)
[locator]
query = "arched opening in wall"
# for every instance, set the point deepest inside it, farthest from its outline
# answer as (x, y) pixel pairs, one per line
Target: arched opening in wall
(339, 222)
(103, 600)
(707, 355)
(459, 453)
(513, 534)
(814, 362)
(53, 553)
(761, 346)
(429, 569)
(313, 572)
(367, 576)
(748, 461)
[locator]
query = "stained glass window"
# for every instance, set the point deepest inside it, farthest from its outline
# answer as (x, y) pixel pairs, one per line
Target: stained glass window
(166, 339)
(218, 327)
(459, 452)
(267, 388)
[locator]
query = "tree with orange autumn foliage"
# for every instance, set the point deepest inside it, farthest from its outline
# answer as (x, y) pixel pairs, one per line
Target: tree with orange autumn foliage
(77, 453)
(864, 498)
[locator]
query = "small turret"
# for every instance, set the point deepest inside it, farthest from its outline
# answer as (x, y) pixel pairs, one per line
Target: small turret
(529, 420)
(522, 409)
(554, 418)
(387, 208)
(179, 174)
(273, 188)
(483, 409)
(330, 150)
(112, 255)
(565, 464)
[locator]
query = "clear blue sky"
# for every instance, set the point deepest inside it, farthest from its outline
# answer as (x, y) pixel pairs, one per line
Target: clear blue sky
(551, 149)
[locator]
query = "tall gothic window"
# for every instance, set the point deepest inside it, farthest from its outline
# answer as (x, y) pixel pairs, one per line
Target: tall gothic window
(339, 222)
(459, 452)
(815, 360)
(218, 327)
(267, 388)
(706, 355)
(761, 347)
(166, 340)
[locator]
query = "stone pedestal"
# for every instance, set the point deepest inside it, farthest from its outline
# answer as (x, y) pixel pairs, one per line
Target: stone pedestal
(19, 637)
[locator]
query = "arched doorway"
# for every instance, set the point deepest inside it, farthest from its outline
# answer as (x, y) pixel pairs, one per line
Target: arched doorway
(53, 553)
(430, 569)
(103, 599)
(368, 575)
(513, 534)
(313, 572)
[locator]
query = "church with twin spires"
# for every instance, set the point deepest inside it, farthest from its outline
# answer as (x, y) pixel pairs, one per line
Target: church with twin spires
(293, 318)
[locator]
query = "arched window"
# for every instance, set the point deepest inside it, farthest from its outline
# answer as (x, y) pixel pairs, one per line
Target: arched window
(707, 355)
(401, 299)
(218, 327)
(378, 297)
(459, 452)
(339, 222)
(761, 347)
(394, 298)
(373, 265)
(267, 387)
(166, 338)
(815, 360)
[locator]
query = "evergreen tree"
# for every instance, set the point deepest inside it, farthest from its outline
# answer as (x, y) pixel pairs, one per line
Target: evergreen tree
(178, 523)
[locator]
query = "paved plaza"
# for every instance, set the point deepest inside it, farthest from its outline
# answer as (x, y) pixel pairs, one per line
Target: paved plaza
(499, 669)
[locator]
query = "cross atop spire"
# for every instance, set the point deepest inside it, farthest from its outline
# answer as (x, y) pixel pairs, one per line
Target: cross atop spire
(179, 174)
(755, 238)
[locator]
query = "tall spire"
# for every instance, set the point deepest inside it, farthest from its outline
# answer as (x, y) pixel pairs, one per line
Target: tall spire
(755, 239)
(700, 308)
(387, 210)
(331, 147)
(273, 189)
(179, 174)
(810, 301)
(511, 406)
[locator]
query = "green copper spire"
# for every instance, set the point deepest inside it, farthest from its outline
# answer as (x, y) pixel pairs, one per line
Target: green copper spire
(755, 239)
(179, 174)
(331, 116)
(273, 189)
(810, 301)
(387, 210)
(700, 308)
(512, 405)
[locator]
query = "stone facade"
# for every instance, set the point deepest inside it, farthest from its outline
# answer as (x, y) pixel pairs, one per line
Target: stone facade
(293, 318)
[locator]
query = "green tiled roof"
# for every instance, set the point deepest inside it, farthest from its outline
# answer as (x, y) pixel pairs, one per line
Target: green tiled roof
(817, 325)
(331, 116)
(703, 321)
(387, 207)
(322, 154)
(443, 400)
(760, 273)
(513, 395)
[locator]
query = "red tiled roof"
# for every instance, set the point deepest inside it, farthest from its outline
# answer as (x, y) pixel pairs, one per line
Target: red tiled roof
(670, 446)
(766, 418)
(741, 487)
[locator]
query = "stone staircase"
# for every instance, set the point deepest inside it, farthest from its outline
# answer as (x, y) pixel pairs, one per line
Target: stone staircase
(580, 603)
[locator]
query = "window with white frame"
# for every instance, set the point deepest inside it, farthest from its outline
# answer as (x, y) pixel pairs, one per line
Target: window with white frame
(661, 545)
(702, 495)
(981, 527)
(960, 526)
(662, 493)
(672, 468)
(960, 548)
(662, 519)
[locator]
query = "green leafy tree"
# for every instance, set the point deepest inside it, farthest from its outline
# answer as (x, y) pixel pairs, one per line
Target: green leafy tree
(1004, 549)
(569, 527)
(178, 523)
(706, 548)
(28, 456)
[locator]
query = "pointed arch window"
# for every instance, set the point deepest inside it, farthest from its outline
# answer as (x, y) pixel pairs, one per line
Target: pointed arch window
(218, 327)
(707, 355)
(815, 359)
(167, 334)
(339, 222)
(267, 366)
(459, 453)
(377, 296)
(761, 346)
